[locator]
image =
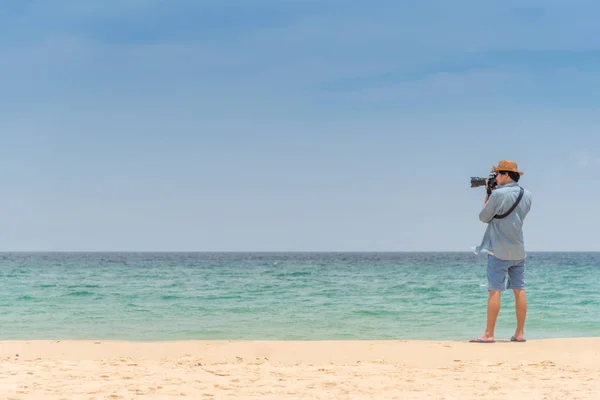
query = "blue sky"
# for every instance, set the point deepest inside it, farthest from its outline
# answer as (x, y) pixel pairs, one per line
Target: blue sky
(154, 125)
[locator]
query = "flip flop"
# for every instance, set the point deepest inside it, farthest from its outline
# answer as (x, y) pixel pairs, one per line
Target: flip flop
(514, 339)
(480, 340)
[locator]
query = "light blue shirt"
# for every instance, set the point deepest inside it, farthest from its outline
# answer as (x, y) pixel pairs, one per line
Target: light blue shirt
(504, 237)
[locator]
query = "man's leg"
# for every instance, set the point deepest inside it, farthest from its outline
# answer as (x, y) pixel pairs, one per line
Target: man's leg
(496, 274)
(493, 309)
(521, 309)
(516, 282)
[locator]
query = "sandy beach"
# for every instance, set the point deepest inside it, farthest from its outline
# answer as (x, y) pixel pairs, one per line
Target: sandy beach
(538, 369)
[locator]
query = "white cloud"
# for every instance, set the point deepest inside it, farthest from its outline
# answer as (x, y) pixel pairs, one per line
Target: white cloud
(586, 160)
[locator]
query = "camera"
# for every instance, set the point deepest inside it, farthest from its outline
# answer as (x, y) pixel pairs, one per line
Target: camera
(491, 180)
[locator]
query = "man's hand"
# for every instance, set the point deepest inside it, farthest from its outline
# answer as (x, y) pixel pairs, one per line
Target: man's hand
(488, 189)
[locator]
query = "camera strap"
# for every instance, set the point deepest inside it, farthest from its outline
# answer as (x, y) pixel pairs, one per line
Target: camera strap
(506, 214)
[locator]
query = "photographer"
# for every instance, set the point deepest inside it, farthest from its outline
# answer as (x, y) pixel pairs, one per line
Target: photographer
(505, 207)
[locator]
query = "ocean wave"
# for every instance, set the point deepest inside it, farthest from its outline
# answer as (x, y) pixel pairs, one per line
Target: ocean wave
(293, 274)
(86, 286)
(376, 313)
(81, 293)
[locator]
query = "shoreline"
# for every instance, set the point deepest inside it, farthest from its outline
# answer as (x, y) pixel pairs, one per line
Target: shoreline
(406, 352)
(358, 369)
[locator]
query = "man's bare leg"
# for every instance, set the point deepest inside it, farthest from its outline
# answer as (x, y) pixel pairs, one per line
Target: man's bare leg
(521, 310)
(492, 312)
(492, 315)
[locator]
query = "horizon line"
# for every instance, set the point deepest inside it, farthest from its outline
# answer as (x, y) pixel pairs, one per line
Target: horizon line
(279, 251)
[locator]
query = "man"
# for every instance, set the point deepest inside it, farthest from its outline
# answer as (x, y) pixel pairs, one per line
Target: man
(503, 240)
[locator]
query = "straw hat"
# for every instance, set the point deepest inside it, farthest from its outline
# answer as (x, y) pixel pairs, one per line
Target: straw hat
(507, 165)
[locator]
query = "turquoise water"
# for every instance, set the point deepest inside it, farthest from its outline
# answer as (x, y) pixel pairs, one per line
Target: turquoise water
(305, 296)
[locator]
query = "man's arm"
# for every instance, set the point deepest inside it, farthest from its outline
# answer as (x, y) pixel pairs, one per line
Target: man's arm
(490, 208)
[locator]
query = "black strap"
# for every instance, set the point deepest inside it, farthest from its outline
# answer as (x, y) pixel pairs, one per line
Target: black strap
(506, 214)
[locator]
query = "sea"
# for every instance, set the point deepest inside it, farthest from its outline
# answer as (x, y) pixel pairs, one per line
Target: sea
(286, 296)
